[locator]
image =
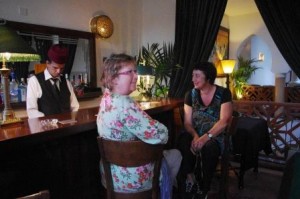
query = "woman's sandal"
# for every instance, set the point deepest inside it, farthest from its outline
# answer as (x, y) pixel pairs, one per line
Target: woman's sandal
(188, 187)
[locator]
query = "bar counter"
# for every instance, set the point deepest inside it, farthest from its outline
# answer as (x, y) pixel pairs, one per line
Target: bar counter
(62, 158)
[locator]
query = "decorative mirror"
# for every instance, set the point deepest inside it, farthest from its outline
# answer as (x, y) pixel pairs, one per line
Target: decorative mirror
(81, 45)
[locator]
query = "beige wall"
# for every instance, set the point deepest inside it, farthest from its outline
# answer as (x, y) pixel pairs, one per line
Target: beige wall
(243, 26)
(136, 22)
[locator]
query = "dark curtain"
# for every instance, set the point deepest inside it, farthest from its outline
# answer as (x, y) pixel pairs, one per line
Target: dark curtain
(42, 47)
(21, 68)
(197, 25)
(282, 18)
(69, 64)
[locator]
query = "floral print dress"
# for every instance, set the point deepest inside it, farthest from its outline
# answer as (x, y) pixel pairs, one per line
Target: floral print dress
(121, 118)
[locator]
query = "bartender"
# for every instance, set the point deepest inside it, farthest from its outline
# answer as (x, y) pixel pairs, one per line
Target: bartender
(49, 92)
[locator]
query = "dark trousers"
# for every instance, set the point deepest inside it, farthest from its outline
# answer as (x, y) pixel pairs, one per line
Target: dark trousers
(206, 161)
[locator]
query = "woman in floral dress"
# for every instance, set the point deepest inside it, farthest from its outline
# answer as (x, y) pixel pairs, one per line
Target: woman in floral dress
(121, 118)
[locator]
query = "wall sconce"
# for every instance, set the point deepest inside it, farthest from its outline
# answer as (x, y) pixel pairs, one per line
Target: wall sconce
(261, 56)
(228, 66)
(102, 26)
(12, 49)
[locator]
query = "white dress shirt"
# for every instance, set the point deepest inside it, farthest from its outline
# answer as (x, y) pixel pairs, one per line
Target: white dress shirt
(34, 91)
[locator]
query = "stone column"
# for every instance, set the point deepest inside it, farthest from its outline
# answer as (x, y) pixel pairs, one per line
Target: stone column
(279, 87)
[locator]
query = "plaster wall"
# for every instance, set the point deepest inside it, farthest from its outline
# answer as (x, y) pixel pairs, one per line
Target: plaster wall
(244, 26)
(136, 22)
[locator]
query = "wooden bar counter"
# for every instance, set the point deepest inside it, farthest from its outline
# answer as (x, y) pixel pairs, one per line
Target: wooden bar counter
(62, 158)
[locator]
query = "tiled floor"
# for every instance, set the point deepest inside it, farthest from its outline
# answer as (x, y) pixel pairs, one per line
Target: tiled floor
(262, 185)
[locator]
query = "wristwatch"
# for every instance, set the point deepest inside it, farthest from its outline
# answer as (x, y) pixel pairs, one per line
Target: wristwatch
(209, 135)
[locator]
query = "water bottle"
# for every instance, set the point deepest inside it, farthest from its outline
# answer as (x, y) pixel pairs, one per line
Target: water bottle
(13, 88)
(22, 91)
(67, 76)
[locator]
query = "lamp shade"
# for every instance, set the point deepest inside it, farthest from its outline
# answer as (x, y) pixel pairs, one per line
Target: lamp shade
(228, 65)
(12, 43)
(144, 70)
(12, 48)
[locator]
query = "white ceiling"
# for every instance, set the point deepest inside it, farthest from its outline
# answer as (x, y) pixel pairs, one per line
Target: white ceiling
(240, 7)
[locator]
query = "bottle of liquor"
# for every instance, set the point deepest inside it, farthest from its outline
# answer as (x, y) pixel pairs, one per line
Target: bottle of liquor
(22, 91)
(79, 88)
(85, 80)
(13, 88)
(67, 76)
(73, 81)
(79, 80)
(1, 91)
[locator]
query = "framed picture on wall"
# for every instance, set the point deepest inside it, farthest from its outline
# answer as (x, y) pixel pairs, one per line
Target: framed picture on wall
(221, 49)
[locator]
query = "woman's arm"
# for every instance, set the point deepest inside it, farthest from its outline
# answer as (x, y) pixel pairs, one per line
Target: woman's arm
(188, 124)
(139, 123)
(225, 118)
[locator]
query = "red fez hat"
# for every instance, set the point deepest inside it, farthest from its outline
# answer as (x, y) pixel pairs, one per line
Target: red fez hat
(58, 54)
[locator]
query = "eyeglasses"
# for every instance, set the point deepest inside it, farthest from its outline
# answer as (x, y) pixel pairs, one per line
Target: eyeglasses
(129, 72)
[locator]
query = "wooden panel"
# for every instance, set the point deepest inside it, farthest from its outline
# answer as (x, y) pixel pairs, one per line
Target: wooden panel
(283, 122)
(292, 94)
(258, 93)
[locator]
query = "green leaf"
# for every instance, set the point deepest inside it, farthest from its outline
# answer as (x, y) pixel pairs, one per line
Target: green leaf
(162, 59)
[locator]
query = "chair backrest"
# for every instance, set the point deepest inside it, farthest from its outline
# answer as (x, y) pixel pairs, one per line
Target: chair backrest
(40, 195)
(232, 125)
(229, 131)
(130, 154)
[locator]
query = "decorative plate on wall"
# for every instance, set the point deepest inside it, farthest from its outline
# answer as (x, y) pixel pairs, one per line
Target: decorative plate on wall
(102, 25)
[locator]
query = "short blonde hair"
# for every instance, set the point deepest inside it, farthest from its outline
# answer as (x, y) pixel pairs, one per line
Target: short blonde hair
(112, 66)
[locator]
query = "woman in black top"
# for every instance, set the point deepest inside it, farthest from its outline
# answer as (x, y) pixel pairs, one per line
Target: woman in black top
(207, 112)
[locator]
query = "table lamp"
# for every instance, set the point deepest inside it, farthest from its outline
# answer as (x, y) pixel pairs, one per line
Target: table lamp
(12, 49)
(228, 66)
(144, 76)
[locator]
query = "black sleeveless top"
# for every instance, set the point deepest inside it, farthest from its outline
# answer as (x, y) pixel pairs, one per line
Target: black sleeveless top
(51, 102)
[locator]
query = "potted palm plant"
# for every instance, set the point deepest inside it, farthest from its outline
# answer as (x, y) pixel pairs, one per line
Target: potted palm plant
(242, 74)
(162, 60)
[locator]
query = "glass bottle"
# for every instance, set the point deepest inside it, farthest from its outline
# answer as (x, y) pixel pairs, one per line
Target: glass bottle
(13, 88)
(22, 91)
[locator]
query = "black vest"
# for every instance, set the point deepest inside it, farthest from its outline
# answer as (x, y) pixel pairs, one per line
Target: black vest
(50, 102)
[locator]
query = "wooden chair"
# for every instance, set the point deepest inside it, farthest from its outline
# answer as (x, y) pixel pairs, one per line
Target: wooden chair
(130, 154)
(40, 195)
(225, 164)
